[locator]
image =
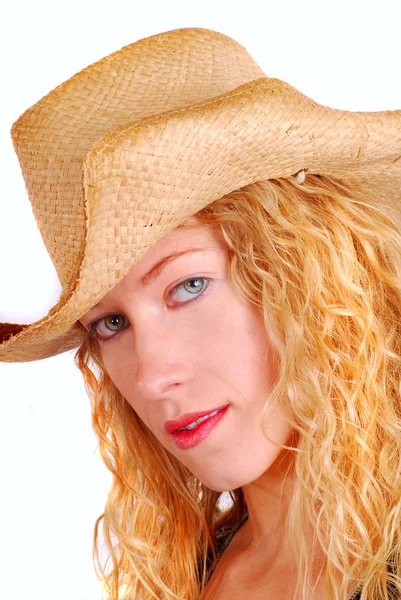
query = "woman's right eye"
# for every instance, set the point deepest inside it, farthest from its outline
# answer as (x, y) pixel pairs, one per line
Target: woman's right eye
(106, 327)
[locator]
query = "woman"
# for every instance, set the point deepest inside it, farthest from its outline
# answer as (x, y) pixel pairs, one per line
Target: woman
(230, 257)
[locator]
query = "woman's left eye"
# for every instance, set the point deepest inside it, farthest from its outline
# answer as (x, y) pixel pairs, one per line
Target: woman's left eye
(188, 290)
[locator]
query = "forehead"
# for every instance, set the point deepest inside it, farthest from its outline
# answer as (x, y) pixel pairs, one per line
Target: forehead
(192, 235)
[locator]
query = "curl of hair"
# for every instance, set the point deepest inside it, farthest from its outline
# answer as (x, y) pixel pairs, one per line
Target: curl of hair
(323, 263)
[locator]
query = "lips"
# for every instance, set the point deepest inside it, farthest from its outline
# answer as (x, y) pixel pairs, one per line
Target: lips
(193, 428)
(189, 419)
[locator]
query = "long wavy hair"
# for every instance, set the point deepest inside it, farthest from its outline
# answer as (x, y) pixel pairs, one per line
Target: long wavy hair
(323, 264)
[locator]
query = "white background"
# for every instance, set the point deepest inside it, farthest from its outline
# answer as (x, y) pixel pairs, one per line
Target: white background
(53, 485)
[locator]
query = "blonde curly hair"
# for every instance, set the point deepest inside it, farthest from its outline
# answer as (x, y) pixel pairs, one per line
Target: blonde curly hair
(323, 264)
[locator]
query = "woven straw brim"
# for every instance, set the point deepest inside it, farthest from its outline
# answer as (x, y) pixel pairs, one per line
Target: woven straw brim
(142, 180)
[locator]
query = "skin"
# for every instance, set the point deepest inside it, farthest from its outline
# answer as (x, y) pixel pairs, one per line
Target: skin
(180, 353)
(174, 352)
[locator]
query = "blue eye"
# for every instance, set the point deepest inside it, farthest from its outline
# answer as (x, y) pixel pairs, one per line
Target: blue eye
(185, 292)
(188, 290)
(107, 326)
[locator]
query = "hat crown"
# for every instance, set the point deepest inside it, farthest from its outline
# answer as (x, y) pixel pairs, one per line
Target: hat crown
(162, 73)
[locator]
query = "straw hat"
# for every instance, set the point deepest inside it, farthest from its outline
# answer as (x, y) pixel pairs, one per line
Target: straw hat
(123, 152)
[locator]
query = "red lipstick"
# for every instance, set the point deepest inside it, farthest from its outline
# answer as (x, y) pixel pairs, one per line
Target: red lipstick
(188, 431)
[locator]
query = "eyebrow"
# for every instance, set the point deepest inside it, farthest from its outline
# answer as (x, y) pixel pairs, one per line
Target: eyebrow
(155, 271)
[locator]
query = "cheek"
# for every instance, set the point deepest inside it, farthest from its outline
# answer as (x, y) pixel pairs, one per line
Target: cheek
(121, 370)
(246, 354)
(122, 374)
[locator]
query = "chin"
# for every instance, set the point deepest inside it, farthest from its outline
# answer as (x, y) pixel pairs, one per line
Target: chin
(218, 486)
(231, 471)
(225, 480)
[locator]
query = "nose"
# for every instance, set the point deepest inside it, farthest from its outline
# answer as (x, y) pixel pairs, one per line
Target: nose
(162, 367)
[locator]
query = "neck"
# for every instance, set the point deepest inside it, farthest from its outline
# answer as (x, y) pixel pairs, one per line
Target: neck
(267, 500)
(264, 537)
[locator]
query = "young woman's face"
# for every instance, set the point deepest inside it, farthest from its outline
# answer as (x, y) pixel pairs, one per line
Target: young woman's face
(181, 345)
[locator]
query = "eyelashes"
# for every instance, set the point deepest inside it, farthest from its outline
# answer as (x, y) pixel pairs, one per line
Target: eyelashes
(184, 293)
(194, 287)
(107, 326)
